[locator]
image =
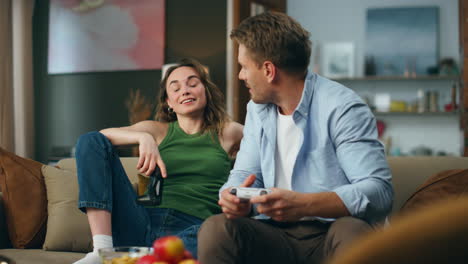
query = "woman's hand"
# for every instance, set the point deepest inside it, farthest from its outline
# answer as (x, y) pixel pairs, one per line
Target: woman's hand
(145, 134)
(149, 156)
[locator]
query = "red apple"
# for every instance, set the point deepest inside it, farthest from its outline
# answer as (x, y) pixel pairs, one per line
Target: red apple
(187, 255)
(169, 248)
(188, 261)
(147, 259)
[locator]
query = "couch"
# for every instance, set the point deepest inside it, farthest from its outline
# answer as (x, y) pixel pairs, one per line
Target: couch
(408, 174)
(436, 234)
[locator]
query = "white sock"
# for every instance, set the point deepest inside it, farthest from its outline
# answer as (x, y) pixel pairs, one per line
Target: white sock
(102, 241)
(99, 241)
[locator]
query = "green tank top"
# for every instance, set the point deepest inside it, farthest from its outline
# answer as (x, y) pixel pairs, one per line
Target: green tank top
(197, 167)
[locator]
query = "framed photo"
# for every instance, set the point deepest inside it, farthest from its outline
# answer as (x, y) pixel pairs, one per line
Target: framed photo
(402, 41)
(105, 35)
(338, 59)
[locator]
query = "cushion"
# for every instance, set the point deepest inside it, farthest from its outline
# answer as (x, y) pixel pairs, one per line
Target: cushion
(39, 256)
(67, 226)
(24, 195)
(443, 185)
(430, 235)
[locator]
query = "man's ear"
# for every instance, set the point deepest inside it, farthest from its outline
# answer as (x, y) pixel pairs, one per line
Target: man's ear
(269, 70)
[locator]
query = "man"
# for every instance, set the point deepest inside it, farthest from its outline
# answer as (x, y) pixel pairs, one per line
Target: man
(312, 141)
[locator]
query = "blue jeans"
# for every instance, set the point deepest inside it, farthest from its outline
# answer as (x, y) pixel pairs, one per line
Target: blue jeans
(105, 185)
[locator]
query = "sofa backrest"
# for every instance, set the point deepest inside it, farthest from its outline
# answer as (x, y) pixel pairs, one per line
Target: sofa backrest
(129, 165)
(408, 173)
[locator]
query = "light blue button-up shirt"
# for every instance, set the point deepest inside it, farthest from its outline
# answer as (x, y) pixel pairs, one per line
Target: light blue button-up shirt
(340, 151)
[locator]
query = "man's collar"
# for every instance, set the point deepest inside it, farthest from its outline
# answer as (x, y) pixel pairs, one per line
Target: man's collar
(304, 104)
(303, 107)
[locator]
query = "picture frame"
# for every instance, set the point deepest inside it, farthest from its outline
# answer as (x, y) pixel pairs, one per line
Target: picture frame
(414, 46)
(338, 60)
(83, 38)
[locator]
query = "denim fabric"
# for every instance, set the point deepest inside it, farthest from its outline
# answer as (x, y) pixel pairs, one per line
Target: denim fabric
(339, 151)
(105, 185)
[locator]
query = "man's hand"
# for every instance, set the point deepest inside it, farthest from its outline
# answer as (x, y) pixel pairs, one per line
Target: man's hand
(281, 205)
(232, 205)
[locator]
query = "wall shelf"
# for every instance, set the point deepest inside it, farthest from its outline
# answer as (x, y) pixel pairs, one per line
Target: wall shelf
(454, 113)
(401, 78)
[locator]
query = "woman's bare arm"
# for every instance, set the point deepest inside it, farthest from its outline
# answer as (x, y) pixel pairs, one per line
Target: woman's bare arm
(231, 138)
(147, 134)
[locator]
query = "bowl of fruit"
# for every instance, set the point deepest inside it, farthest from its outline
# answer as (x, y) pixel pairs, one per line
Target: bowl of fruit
(121, 255)
(165, 250)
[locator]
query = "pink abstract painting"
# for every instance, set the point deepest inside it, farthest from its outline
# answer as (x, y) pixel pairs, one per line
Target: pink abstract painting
(105, 35)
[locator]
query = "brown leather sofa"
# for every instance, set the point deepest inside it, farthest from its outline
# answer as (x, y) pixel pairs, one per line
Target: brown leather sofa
(408, 174)
(436, 234)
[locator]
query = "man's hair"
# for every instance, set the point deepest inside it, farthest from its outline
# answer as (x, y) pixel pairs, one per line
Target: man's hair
(275, 37)
(215, 116)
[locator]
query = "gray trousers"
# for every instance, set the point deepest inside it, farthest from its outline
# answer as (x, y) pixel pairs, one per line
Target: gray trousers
(245, 240)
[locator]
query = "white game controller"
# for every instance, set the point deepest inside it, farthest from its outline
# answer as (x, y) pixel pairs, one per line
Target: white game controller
(245, 193)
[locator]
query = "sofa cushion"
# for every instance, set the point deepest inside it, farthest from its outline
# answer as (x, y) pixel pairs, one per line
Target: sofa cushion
(129, 164)
(67, 226)
(25, 201)
(443, 185)
(39, 256)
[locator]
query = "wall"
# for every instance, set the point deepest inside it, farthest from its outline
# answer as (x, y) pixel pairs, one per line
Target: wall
(68, 105)
(343, 20)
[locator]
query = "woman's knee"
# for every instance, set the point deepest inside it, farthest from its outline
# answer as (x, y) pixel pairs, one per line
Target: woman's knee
(91, 141)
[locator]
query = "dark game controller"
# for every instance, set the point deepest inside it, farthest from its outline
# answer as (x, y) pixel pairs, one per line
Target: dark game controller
(153, 196)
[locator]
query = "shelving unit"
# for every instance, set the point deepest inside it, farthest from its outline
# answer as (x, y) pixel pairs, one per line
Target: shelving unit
(439, 131)
(405, 88)
(416, 114)
(401, 78)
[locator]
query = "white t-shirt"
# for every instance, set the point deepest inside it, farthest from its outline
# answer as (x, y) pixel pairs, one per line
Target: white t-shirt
(288, 140)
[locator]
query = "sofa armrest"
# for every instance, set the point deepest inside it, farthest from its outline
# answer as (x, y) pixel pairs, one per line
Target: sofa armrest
(410, 172)
(4, 238)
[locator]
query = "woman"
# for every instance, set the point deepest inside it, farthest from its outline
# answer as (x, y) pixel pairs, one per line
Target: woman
(192, 143)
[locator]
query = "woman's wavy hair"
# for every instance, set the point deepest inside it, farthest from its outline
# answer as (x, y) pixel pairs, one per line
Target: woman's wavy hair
(215, 115)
